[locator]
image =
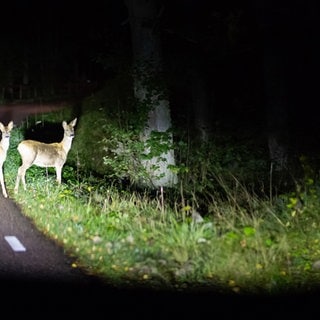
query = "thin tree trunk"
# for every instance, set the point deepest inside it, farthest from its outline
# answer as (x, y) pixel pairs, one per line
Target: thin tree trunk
(276, 108)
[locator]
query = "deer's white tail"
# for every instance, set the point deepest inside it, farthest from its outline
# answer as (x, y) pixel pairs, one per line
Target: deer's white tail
(42, 154)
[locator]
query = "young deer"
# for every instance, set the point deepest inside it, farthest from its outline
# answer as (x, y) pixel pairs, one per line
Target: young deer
(4, 145)
(45, 154)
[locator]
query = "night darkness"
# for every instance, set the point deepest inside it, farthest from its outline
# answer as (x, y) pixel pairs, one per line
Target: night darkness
(227, 38)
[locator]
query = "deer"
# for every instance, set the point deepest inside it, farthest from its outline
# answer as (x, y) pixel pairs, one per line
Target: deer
(42, 154)
(4, 146)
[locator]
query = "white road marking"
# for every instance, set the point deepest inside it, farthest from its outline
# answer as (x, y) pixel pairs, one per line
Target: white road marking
(15, 244)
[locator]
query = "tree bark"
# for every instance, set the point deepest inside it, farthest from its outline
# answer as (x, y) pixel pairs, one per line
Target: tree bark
(200, 105)
(147, 58)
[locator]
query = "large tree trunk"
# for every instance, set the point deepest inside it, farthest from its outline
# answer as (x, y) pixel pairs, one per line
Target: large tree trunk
(147, 61)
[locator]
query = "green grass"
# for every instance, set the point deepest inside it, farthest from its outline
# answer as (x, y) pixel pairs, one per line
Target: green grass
(244, 245)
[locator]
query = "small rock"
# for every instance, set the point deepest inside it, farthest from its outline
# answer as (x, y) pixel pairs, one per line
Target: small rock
(316, 265)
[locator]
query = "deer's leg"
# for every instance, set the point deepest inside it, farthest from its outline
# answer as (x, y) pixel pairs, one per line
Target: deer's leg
(4, 191)
(17, 182)
(58, 174)
(21, 176)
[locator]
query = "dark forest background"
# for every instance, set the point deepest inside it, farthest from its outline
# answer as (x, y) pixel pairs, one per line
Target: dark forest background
(253, 66)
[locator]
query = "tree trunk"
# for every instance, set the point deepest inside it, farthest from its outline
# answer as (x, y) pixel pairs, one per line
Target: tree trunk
(147, 77)
(200, 105)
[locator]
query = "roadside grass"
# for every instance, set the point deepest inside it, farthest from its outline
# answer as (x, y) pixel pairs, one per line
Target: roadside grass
(130, 239)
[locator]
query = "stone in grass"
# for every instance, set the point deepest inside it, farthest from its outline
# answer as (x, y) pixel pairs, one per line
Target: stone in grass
(316, 265)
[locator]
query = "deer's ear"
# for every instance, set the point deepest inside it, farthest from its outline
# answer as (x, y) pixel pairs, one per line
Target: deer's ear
(10, 125)
(73, 122)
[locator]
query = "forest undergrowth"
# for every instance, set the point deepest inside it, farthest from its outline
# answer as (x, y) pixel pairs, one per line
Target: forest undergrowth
(223, 228)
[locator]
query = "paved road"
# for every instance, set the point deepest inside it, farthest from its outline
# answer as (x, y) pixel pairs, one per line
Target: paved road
(42, 260)
(18, 112)
(43, 271)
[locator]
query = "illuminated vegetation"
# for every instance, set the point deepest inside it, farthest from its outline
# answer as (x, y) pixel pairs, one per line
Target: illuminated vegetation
(243, 242)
